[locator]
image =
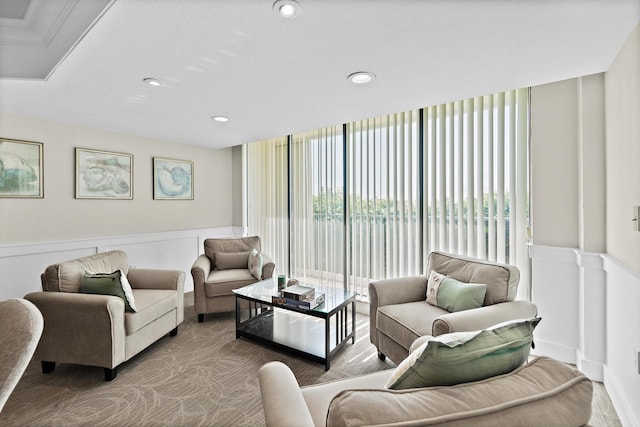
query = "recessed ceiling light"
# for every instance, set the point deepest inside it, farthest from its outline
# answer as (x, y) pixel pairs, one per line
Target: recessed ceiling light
(287, 8)
(151, 81)
(361, 77)
(221, 119)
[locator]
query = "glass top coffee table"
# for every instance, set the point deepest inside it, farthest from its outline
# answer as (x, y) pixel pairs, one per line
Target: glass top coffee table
(316, 334)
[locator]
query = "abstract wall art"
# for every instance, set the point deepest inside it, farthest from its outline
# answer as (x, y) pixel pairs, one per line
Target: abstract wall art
(103, 175)
(172, 179)
(21, 168)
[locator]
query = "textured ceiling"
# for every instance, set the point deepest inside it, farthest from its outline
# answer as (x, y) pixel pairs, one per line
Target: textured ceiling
(273, 76)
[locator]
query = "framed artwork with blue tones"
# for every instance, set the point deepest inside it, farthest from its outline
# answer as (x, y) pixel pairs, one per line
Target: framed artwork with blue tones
(103, 175)
(21, 168)
(172, 179)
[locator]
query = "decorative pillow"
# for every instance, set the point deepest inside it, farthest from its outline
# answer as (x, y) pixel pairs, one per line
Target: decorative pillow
(461, 357)
(115, 284)
(128, 292)
(231, 260)
(452, 295)
(255, 264)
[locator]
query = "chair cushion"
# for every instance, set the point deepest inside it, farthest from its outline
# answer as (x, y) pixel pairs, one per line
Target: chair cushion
(501, 279)
(152, 304)
(543, 392)
(453, 295)
(66, 276)
(223, 282)
(406, 322)
(244, 244)
(461, 357)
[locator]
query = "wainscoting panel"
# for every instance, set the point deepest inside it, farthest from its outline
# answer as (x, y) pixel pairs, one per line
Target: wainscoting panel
(21, 265)
(554, 289)
(589, 307)
(622, 373)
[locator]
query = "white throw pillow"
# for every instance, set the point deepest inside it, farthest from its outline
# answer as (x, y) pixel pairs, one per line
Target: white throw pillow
(255, 264)
(128, 292)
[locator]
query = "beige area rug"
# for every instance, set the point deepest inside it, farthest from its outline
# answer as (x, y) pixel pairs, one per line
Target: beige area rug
(201, 377)
(204, 376)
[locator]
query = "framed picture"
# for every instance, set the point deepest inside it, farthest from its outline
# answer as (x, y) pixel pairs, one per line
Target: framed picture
(172, 179)
(21, 168)
(103, 175)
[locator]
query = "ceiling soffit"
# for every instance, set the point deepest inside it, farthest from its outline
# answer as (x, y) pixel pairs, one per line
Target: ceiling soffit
(36, 35)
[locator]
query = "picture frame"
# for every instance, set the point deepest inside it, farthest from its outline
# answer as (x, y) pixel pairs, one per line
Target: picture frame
(103, 174)
(172, 179)
(21, 169)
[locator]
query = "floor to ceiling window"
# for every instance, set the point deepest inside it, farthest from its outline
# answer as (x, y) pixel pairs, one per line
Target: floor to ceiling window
(369, 200)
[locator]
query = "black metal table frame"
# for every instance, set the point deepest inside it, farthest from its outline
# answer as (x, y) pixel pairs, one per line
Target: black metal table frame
(262, 308)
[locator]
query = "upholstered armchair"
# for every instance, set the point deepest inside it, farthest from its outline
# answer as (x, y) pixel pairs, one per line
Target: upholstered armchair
(95, 329)
(20, 329)
(400, 313)
(223, 267)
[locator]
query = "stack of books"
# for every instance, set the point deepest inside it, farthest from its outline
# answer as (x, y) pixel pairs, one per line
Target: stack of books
(300, 297)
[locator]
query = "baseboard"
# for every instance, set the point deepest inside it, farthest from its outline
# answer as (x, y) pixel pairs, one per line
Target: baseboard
(560, 352)
(591, 369)
(619, 400)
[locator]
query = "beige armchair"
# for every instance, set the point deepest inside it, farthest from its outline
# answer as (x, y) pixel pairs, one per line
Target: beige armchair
(95, 330)
(222, 268)
(20, 329)
(399, 312)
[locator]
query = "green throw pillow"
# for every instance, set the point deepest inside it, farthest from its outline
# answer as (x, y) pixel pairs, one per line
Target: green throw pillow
(461, 357)
(452, 295)
(115, 284)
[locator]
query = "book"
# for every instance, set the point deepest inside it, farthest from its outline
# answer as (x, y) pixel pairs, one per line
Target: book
(307, 304)
(298, 292)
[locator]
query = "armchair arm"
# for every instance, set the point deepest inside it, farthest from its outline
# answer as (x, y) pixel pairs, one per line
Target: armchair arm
(398, 291)
(85, 329)
(393, 291)
(282, 400)
(483, 317)
(267, 266)
(146, 278)
(200, 271)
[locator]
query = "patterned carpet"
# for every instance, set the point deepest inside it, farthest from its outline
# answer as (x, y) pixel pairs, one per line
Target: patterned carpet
(201, 377)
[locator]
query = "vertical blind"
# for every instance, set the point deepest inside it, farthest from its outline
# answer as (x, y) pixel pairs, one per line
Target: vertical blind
(317, 232)
(383, 222)
(266, 176)
(476, 179)
(370, 199)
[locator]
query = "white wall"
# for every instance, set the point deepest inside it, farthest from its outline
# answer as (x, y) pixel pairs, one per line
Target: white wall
(59, 216)
(585, 156)
(622, 264)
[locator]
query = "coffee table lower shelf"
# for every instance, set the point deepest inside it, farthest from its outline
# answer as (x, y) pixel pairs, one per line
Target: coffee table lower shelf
(296, 332)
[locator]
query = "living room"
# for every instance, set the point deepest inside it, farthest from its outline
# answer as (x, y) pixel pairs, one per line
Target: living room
(584, 251)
